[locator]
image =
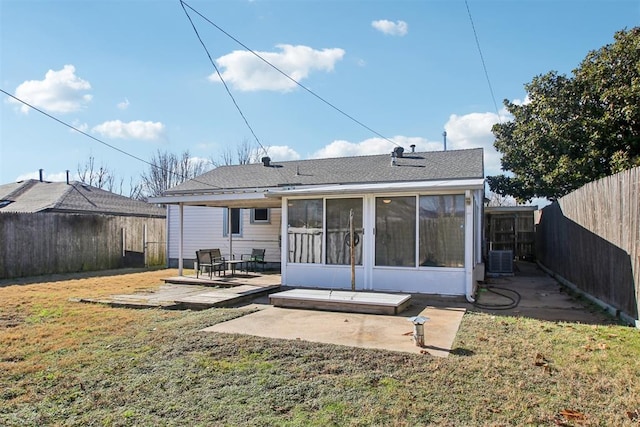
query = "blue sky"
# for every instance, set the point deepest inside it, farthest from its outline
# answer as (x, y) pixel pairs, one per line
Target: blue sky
(134, 75)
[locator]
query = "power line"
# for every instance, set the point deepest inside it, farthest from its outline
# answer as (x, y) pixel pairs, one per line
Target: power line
(113, 147)
(220, 76)
(484, 65)
(183, 3)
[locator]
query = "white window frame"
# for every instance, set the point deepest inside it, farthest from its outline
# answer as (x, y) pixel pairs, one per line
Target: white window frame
(260, 221)
(225, 223)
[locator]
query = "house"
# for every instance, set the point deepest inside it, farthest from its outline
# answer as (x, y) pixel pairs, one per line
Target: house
(417, 219)
(57, 227)
(71, 197)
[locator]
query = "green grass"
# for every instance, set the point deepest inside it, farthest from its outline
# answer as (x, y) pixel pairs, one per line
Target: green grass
(121, 367)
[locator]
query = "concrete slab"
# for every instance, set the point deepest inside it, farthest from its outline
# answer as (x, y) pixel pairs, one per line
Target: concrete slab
(185, 296)
(541, 297)
(394, 333)
(345, 301)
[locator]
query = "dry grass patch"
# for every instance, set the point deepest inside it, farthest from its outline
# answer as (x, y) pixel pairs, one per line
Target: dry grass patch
(66, 363)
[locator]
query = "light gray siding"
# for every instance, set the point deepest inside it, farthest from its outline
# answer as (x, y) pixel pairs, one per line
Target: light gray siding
(203, 229)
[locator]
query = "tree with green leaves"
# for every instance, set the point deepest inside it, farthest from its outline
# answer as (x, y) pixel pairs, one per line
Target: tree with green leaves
(573, 130)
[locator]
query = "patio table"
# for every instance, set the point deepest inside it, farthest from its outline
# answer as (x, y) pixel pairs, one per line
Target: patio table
(234, 263)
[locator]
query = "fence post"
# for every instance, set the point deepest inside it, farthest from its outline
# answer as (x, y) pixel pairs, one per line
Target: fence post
(144, 245)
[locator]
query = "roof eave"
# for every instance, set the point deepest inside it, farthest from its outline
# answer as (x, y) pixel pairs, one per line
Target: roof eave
(387, 187)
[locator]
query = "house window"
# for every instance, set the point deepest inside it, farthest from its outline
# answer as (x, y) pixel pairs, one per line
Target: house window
(338, 239)
(236, 222)
(396, 231)
(304, 230)
(441, 231)
(260, 216)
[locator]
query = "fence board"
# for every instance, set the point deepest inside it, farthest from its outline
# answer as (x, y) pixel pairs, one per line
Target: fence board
(591, 237)
(46, 243)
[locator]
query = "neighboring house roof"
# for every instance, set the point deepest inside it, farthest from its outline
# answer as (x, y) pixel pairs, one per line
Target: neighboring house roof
(411, 167)
(42, 196)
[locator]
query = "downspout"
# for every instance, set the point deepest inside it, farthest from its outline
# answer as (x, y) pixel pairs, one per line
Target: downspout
(180, 239)
(468, 246)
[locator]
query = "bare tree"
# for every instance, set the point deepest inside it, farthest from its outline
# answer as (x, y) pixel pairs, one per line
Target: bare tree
(99, 177)
(136, 190)
(496, 199)
(245, 153)
(168, 170)
(226, 158)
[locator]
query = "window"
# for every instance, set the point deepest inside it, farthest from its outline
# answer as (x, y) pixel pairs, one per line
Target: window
(338, 239)
(396, 231)
(441, 226)
(260, 216)
(236, 223)
(304, 230)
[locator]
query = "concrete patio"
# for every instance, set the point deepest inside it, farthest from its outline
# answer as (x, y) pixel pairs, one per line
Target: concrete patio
(541, 297)
(394, 333)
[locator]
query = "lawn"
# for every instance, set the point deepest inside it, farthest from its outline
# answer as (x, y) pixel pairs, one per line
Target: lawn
(67, 363)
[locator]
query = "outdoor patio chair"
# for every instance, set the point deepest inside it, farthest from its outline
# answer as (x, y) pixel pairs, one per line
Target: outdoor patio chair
(203, 258)
(211, 260)
(254, 258)
(218, 261)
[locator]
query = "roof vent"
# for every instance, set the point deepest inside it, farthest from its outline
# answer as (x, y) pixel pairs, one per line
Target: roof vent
(266, 161)
(413, 148)
(41, 173)
(393, 158)
(398, 151)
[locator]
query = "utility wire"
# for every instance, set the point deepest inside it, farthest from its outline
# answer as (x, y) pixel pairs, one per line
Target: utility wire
(484, 65)
(113, 147)
(183, 3)
(220, 76)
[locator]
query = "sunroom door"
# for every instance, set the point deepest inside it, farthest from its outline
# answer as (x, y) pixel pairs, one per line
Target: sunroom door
(338, 238)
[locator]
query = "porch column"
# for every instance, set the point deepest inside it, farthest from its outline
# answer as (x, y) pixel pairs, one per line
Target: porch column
(230, 233)
(180, 238)
(468, 244)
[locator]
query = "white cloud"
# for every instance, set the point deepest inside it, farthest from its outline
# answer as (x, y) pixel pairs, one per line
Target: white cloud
(398, 28)
(342, 148)
(282, 153)
(526, 101)
(463, 132)
(472, 131)
(80, 126)
(133, 130)
(246, 72)
(123, 105)
(60, 91)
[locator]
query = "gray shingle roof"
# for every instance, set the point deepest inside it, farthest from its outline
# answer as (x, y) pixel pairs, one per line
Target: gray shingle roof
(36, 196)
(424, 166)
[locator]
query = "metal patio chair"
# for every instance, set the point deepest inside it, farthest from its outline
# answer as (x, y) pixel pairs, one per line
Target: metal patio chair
(254, 258)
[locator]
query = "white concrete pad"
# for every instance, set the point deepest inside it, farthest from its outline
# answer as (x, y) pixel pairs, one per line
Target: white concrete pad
(393, 333)
(357, 302)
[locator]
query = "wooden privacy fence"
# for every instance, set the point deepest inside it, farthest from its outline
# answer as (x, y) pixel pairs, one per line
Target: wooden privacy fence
(45, 243)
(591, 238)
